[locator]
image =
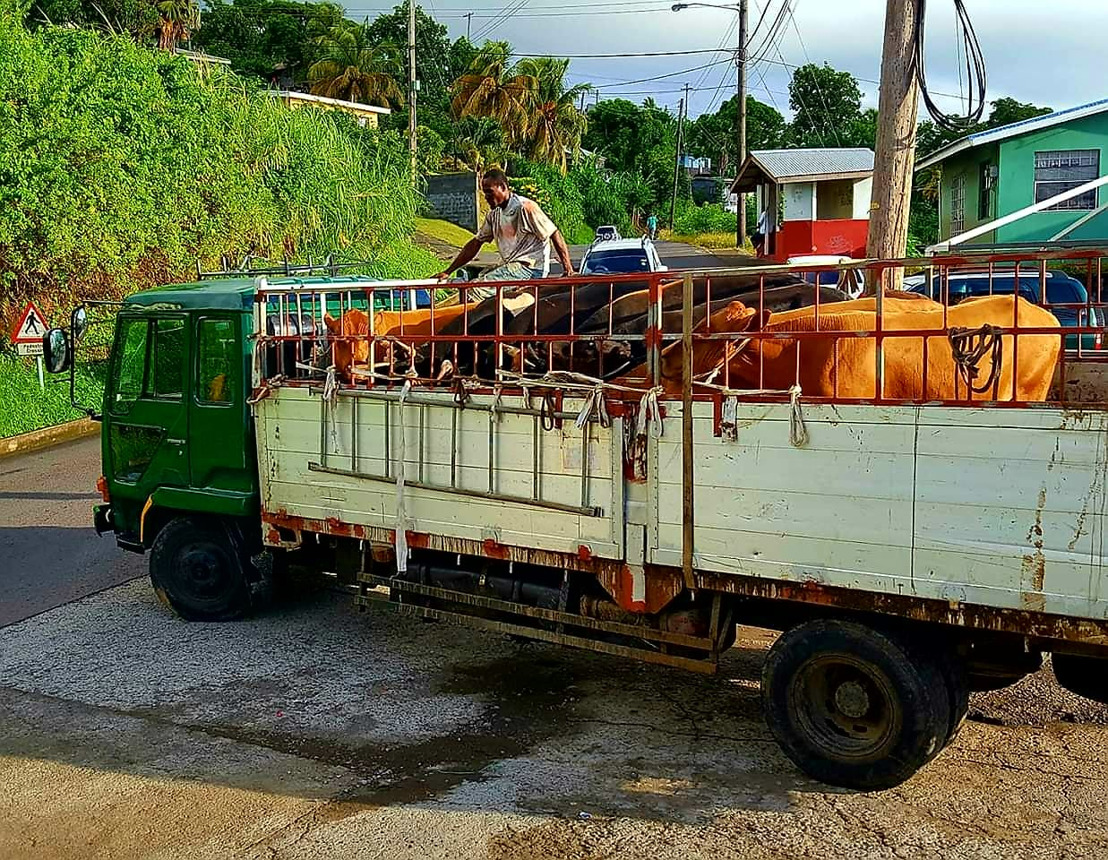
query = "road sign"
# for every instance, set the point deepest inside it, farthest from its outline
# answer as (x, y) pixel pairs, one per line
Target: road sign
(32, 326)
(29, 348)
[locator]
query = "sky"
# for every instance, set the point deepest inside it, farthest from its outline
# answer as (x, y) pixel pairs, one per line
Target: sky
(1048, 54)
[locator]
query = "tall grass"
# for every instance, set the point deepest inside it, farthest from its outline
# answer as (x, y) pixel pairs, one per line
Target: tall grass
(120, 167)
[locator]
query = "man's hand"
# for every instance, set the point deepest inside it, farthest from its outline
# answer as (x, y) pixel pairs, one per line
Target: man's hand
(570, 273)
(441, 276)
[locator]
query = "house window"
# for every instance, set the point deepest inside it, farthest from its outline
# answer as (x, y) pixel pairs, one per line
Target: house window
(958, 205)
(1057, 171)
(985, 192)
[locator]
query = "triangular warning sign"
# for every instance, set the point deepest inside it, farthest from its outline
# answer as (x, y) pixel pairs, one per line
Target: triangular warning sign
(32, 325)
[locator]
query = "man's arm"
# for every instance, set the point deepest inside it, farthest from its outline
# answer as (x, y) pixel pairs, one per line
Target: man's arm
(468, 252)
(563, 253)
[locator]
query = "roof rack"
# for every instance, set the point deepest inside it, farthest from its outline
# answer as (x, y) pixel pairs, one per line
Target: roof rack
(247, 267)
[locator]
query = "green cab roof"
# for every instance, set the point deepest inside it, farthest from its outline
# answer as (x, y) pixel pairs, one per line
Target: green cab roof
(228, 293)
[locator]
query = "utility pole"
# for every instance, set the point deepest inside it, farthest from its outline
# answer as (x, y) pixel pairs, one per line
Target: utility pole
(682, 108)
(469, 20)
(896, 140)
(413, 85)
(740, 121)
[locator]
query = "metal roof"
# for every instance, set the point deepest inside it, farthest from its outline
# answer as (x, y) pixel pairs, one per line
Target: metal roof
(1025, 126)
(798, 163)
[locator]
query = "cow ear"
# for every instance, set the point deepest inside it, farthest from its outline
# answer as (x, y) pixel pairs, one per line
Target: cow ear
(761, 323)
(331, 323)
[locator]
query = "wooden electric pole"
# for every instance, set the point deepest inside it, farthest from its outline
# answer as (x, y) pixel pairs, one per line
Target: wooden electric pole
(740, 122)
(896, 139)
(413, 85)
(682, 109)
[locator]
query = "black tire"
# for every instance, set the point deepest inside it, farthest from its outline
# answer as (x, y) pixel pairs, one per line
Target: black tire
(1085, 676)
(198, 570)
(853, 706)
(958, 690)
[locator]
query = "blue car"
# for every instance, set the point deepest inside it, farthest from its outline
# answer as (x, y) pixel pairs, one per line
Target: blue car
(1061, 289)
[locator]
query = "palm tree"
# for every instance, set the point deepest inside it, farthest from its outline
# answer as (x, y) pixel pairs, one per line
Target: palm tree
(480, 142)
(177, 20)
(492, 88)
(556, 125)
(354, 68)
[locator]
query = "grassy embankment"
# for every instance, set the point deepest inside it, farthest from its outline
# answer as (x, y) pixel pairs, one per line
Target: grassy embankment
(122, 166)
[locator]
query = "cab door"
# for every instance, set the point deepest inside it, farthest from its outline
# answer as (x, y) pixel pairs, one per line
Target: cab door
(146, 439)
(221, 456)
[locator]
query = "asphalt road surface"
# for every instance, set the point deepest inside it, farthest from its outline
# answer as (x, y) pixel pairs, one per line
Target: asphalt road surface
(49, 553)
(676, 255)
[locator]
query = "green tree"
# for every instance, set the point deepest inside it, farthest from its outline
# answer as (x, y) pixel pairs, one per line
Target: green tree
(712, 135)
(827, 107)
(555, 125)
(492, 88)
(177, 20)
(353, 67)
(433, 63)
(479, 142)
(263, 38)
(137, 18)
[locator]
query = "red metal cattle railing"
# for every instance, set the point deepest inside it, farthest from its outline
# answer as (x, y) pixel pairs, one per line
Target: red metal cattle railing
(542, 322)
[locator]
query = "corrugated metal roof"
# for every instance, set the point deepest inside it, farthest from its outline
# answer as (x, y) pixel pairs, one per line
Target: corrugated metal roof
(790, 163)
(1024, 126)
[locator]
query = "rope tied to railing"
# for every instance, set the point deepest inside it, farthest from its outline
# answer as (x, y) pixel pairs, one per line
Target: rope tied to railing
(494, 407)
(798, 430)
(594, 406)
(968, 346)
(330, 396)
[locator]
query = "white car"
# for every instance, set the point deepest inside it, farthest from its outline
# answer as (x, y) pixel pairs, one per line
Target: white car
(606, 233)
(621, 257)
(850, 281)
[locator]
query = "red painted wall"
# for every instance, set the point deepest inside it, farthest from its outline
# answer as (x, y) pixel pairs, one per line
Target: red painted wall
(840, 236)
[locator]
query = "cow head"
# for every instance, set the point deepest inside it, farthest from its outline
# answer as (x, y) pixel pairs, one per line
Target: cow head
(710, 354)
(347, 339)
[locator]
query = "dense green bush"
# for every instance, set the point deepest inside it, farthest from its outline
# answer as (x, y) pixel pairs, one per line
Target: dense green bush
(712, 218)
(121, 166)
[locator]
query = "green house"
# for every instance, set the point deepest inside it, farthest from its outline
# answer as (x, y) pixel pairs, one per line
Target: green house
(994, 173)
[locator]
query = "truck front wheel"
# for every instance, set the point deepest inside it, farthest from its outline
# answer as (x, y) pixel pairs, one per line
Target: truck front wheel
(854, 706)
(198, 570)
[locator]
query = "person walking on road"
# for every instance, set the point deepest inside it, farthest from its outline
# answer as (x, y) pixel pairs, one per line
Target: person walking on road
(523, 235)
(652, 226)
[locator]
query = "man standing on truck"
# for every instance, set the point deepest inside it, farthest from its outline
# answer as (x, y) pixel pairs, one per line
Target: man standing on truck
(523, 235)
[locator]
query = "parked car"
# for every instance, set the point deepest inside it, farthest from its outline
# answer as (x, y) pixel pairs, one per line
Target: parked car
(850, 281)
(607, 233)
(621, 257)
(1064, 296)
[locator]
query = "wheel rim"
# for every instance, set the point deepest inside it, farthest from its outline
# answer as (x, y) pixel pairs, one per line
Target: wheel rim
(201, 571)
(844, 706)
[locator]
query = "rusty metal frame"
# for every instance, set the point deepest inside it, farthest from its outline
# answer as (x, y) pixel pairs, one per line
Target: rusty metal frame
(563, 619)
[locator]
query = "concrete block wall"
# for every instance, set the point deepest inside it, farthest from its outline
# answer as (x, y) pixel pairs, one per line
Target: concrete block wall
(454, 197)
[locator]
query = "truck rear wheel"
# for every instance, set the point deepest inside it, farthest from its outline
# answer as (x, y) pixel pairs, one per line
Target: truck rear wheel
(198, 570)
(853, 706)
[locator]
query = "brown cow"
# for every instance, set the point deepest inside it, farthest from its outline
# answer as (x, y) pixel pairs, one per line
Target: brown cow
(350, 334)
(845, 366)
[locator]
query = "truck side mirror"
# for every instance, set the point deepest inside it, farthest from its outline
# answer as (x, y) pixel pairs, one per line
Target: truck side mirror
(78, 324)
(55, 350)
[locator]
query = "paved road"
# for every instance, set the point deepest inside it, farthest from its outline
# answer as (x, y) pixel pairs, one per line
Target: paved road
(49, 553)
(676, 255)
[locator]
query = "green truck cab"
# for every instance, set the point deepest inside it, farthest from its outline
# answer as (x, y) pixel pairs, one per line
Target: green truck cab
(179, 454)
(178, 451)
